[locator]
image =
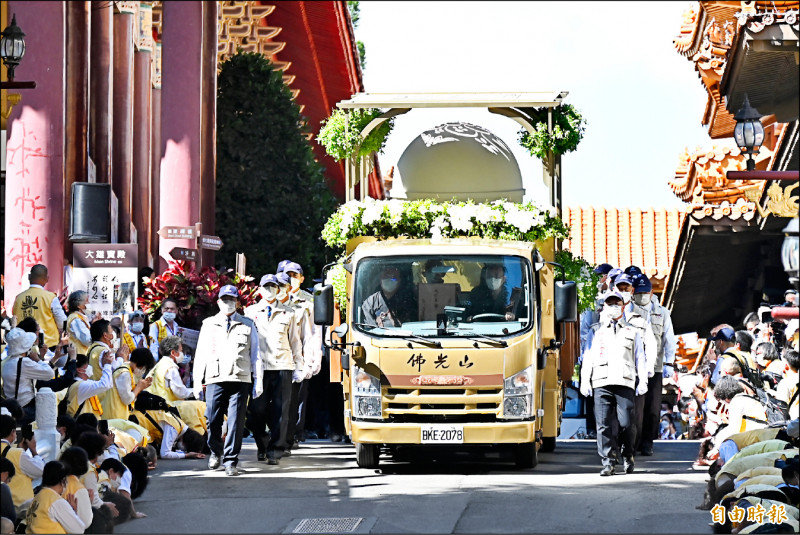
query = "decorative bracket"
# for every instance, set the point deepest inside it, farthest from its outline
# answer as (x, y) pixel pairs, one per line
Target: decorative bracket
(13, 99)
(780, 201)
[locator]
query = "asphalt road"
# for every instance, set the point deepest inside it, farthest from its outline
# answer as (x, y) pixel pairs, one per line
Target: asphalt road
(473, 494)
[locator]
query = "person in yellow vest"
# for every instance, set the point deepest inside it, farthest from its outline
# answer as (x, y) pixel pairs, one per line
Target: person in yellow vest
(76, 462)
(134, 335)
(175, 439)
(50, 512)
(84, 394)
(127, 381)
(165, 326)
(79, 322)
(103, 337)
(27, 462)
(42, 305)
(745, 412)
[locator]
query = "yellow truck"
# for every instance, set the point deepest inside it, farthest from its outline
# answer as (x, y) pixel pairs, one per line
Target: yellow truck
(451, 342)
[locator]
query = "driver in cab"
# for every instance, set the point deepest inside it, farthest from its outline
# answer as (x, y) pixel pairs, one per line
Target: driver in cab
(393, 304)
(490, 296)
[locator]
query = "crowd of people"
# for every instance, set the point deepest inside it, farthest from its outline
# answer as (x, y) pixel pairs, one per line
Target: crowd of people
(128, 394)
(740, 400)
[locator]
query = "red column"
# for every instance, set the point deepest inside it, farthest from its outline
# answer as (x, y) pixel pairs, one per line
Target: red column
(181, 112)
(101, 79)
(122, 139)
(34, 231)
(155, 155)
(208, 129)
(140, 189)
(76, 112)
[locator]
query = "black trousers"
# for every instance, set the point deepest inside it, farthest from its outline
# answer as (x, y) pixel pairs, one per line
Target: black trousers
(614, 403)
(271, 409)
(231, 398)
(296, 403)
(651, 411)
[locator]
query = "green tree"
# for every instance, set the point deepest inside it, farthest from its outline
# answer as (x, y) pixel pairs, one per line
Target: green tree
(355, 17)
(272, 197)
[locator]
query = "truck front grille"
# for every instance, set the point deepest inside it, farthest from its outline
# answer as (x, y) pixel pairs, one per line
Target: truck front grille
(447, 402)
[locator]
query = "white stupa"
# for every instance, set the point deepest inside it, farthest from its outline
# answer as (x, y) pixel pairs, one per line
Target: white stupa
(458, 161)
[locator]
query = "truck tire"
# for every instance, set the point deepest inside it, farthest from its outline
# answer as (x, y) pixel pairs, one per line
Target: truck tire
(367, 455)
(548, 445)
(525, 455)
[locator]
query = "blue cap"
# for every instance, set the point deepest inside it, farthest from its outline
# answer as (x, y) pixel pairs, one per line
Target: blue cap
(136, 314)
(282, 266)
(633, 270)
(229, 290)
(269, 278)
(613, 274)
(623, 278)
(726, 333)
(294, 267)
(603, 269)
(282, 278)
(641, 284)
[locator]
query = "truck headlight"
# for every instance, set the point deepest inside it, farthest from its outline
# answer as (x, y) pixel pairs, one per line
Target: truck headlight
(366, 394)
(518, 395)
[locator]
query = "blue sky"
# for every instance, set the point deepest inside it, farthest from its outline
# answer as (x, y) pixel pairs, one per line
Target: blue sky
(643, 101)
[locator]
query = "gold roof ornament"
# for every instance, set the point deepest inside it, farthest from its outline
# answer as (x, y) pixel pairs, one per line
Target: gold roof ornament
(780, 201)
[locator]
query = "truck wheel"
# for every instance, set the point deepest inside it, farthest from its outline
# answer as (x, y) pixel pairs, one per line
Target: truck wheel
(525, 455)
(548, 444)
(367, 455)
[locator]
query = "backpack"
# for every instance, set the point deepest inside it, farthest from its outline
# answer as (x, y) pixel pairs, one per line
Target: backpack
(777, 411)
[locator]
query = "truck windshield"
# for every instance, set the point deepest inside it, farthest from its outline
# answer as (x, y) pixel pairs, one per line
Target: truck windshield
(439, 295)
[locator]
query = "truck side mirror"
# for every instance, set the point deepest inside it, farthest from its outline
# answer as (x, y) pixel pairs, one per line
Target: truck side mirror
(566, 296)
(323, 305)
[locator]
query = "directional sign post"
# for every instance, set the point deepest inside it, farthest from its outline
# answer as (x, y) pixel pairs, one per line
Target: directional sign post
(203, 241)
(210, 242)
(181, 253)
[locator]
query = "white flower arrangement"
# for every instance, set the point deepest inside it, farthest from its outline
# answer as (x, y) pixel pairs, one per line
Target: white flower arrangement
(431, 219)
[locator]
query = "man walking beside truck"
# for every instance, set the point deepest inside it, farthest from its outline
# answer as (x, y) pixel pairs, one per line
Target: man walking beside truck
(613, 360)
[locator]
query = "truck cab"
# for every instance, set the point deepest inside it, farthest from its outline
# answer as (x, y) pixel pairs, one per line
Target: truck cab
(450, 343)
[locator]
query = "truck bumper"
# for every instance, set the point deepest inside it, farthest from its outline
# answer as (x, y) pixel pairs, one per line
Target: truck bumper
(477, 433)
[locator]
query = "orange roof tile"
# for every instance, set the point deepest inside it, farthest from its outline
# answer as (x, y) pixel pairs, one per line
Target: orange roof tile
(624, 237)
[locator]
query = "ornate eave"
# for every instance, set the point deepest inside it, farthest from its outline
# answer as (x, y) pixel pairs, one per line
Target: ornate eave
(707, 33)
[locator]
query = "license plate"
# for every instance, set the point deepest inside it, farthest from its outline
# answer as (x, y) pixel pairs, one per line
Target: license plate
(442, 434)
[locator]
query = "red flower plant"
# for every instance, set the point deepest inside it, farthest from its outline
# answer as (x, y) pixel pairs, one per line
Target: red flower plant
(196, 292)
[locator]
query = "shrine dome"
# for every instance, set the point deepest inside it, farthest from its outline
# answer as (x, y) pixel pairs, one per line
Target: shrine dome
(458, 161)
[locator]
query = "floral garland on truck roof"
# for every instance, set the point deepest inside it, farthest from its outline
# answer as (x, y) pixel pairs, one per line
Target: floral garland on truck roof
(427, 218)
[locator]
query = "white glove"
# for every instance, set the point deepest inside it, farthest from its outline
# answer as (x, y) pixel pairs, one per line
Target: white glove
(641, 389)
(650, 373)
(317, 366)
(308, 373)
(586, 390)
(297, 376)
(667, 371)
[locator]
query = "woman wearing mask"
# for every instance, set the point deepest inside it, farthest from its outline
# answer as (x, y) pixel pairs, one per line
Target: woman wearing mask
(393, 304)
(491, 295)
(79, 321)
(134, 335)
(165, 326)
(127, 381)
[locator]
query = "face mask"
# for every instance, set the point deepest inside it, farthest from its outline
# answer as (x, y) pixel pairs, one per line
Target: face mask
(89, 370)
(270, 293)
(642, 299)
(226, 307)
(282, 293)
(664, 426)
(389, 285)
(138, 373)
(295, 283)
(612, 311)
(626, 297)
(169, 317)
(494, 283)
(137, 327)
(183, 358)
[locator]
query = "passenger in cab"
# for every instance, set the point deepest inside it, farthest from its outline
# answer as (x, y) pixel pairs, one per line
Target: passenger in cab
(491, 295)
(393, 304)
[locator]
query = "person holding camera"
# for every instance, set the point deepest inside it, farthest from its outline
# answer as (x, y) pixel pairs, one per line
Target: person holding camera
(28, 465)
(23, 367)
(127, 381)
